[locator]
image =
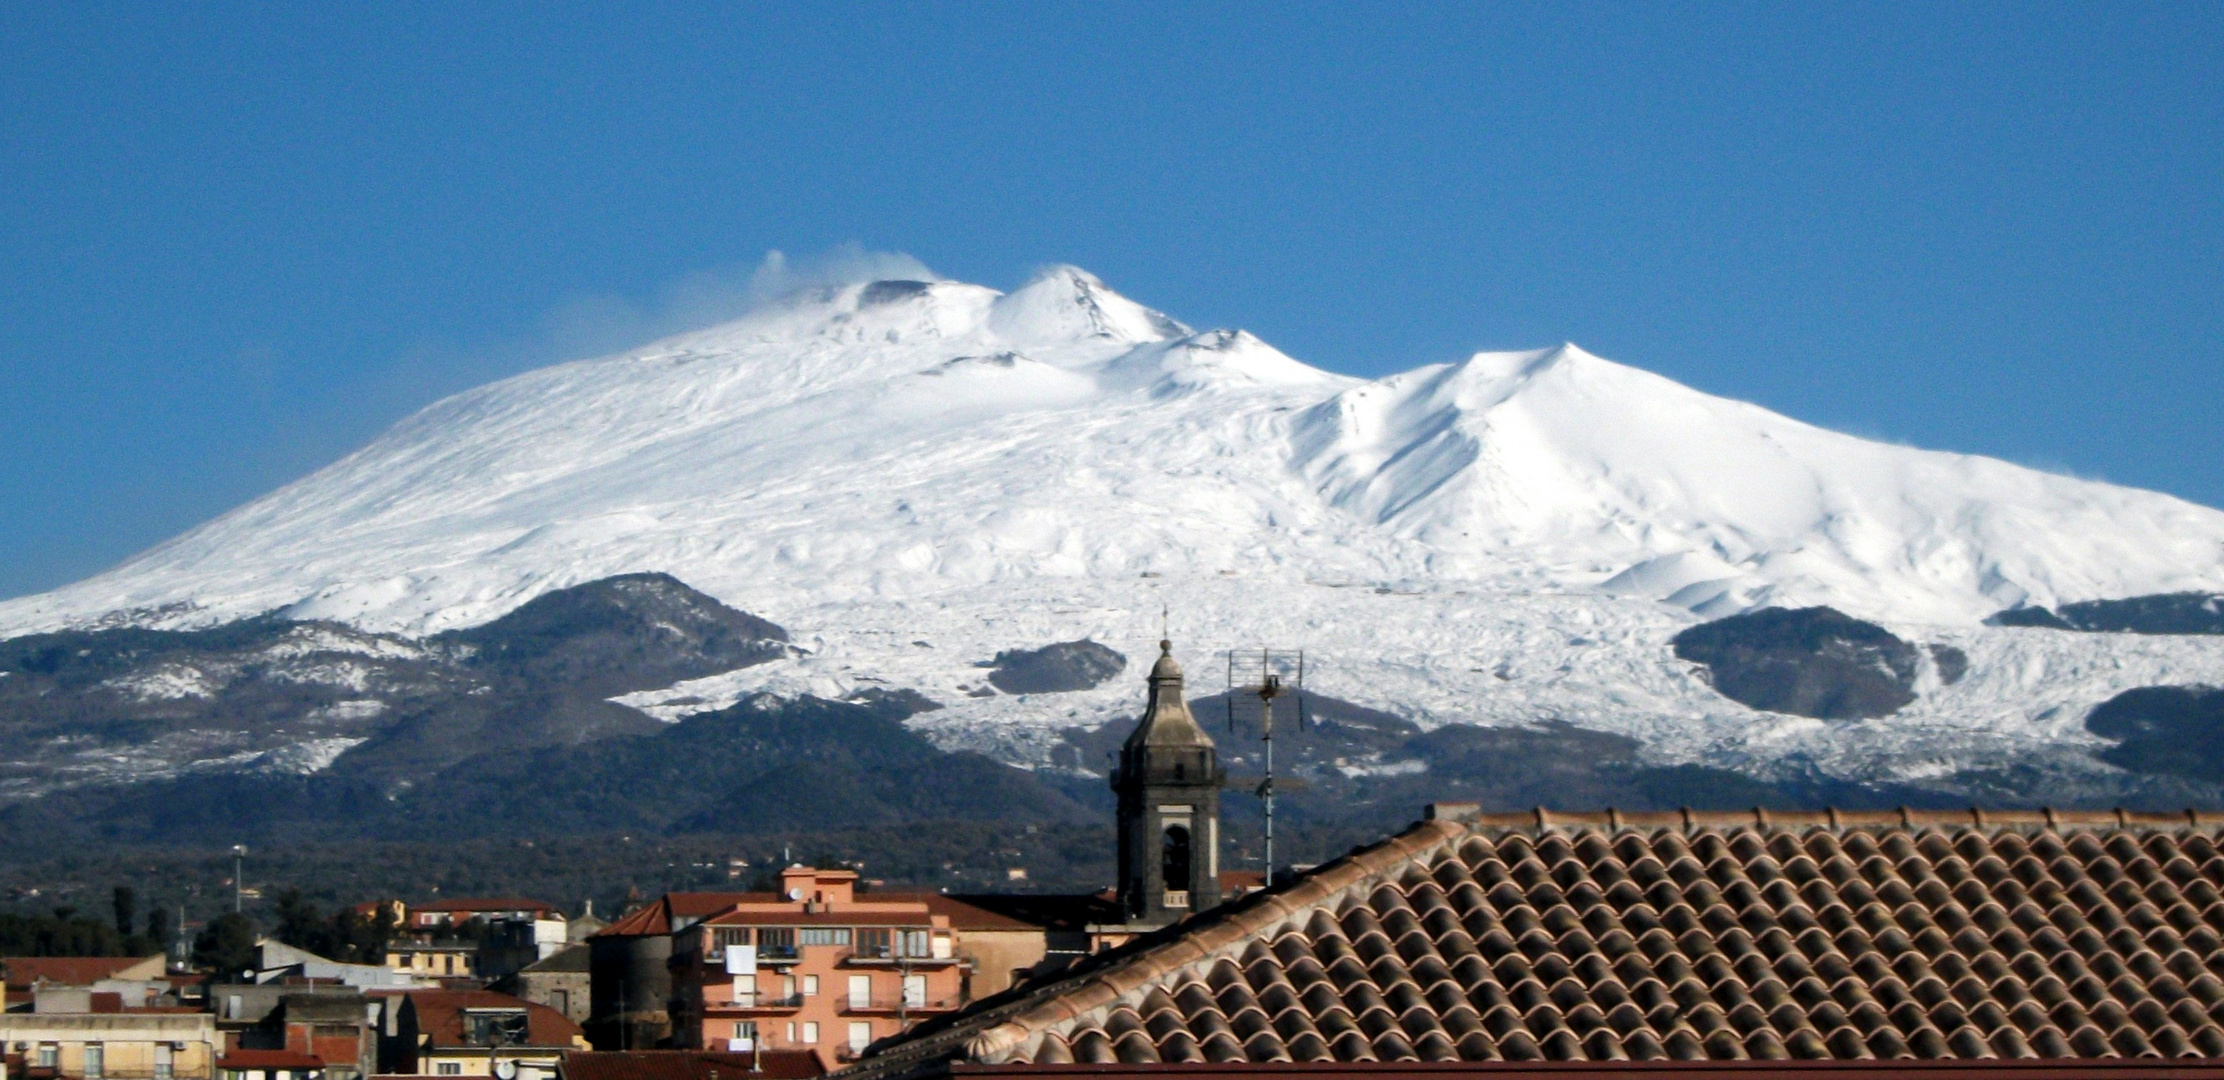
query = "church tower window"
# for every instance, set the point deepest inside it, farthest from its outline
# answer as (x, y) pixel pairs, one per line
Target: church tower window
(1174, 858)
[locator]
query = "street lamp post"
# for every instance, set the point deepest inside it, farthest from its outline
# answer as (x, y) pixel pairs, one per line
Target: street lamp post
(239, 885)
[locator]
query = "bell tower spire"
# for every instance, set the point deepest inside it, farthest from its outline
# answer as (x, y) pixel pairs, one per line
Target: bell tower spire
(1168, 783)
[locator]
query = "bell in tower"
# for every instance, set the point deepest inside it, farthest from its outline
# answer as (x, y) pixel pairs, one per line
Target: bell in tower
(1168, 783)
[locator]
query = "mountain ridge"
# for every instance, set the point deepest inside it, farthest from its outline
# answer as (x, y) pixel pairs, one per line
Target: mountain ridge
(916, 476)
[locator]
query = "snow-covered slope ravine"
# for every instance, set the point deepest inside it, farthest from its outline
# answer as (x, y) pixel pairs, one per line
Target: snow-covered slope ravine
(914, 476)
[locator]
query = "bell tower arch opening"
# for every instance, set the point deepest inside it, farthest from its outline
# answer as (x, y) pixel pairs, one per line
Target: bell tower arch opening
(1173, 858)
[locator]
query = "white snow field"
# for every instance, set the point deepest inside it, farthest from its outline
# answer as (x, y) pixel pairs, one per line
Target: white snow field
(914, 476)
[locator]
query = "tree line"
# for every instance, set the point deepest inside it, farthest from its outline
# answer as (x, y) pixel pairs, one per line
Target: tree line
(66, 931)
(226, 945)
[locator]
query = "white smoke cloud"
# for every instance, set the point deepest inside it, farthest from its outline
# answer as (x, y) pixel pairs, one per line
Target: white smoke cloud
(595, 325)
(779, 276)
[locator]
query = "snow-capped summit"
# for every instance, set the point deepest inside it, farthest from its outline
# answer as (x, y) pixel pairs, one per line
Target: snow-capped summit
(913, 475)
(1067, 303)
(1721, 505)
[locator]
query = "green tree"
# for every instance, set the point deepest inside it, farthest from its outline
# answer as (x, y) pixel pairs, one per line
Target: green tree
(160, 928)
(64, 933)
(226, 946)
(299, 923)
(382, 933)
(127, 909)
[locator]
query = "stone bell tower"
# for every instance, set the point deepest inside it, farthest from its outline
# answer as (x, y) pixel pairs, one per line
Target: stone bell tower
(1168, 783)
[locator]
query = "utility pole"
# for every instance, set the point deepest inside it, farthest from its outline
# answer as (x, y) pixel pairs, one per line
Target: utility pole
(239, 884)
(1263, 679)
(1269, 689)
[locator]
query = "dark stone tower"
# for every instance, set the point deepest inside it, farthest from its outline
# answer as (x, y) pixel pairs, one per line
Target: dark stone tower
(1168, 783)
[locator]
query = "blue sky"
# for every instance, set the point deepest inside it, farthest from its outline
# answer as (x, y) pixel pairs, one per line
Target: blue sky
(236, 242)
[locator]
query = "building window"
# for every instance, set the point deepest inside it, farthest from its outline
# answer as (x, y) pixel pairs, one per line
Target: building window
(810, 989)
(1173, 864)
(560, 1000)
(787, 986)
(860, 1035)
(823, 935)
(811, 1032)
(776, 943)
(96, 1061)
(745, 1031)
(450, 1068)
(722, 936)
(495, 1027)
(162, 1061)
(914, 943)
(860, 991)
(873, 943)
(791, 1032)
(50, 1056)
(915, 991)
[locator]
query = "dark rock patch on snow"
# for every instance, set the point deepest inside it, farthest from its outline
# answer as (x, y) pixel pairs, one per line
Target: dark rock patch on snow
(2174, 730)
(2033, 617)
(1816, 661)
(1055, 669)
(898, 704)
(1952, 663)
(889, 292)
(2160, 613)
(272, 695)
(618, 635)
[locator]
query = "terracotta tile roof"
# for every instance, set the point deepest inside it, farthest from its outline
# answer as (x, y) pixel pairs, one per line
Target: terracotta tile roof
(1901, 1069)
(1555, 937)
(796, 916)
(1026, 911)
(658, 917)
(440, 1015)
(568, 958)
(691, 1065)
(23, 971)
(684, 909)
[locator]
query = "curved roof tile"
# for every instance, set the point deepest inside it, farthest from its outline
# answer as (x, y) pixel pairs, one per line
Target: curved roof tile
(1612, 937)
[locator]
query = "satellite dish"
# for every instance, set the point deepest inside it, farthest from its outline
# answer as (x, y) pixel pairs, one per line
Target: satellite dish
(507, 1070)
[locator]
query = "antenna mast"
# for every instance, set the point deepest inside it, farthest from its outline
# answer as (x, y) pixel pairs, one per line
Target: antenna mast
(1267, 676)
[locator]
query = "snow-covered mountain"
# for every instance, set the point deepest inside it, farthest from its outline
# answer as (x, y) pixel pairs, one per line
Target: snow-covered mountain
(913, 476)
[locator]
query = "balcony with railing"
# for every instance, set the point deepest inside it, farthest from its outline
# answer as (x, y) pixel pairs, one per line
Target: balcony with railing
(883, 959)
(747, 1001)
(897, 1004)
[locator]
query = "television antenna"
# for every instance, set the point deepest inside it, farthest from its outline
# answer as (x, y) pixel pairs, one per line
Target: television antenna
(1256, 679)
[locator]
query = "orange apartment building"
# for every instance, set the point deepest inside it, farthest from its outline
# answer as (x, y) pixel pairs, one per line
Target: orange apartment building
(815, 967)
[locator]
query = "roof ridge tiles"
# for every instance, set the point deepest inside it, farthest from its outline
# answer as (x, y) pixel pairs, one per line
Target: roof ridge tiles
(1544, 821)
(1863, 936)
(1268, 911)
